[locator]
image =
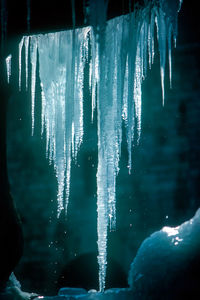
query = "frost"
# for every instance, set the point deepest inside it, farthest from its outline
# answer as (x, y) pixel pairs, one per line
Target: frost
(118, 53)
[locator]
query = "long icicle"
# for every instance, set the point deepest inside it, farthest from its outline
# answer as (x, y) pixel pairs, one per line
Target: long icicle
(20, 62)
(26, 43)
(33, 56)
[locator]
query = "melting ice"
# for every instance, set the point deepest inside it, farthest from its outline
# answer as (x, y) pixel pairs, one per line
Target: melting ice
(118, 52)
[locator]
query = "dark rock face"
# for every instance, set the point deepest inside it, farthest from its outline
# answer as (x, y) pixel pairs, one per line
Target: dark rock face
(11, 240)
(167, 265)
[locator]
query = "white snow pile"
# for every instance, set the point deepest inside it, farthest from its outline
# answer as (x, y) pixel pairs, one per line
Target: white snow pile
(167, 265)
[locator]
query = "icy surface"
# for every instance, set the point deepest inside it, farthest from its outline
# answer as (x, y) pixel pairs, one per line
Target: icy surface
(118, 52)
(168, 262)
(8, 66)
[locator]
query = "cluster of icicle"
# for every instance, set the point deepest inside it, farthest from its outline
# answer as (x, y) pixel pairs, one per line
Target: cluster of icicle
(118, 52)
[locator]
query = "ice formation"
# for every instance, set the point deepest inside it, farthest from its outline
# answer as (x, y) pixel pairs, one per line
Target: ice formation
(119, 52)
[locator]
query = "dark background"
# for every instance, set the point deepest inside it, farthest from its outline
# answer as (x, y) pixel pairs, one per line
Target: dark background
(162, 190)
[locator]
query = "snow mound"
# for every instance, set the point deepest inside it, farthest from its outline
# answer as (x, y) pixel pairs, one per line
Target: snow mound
(168, 263)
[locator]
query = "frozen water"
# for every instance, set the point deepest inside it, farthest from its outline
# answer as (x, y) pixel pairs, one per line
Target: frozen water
(118, 52)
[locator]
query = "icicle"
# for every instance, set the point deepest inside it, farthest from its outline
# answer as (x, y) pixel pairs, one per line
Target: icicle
(151, 40)
(69, 108)
(20, 62)
(43, 99)
(78, 89)
(102, 224)
(94, 70)
(98, 18)
(131, 47)
(137, 91)
(180, 4)
(8, 66)
(33, 57)
(170, 54)
(161, 36)
(125, 95)
(68, 175)
(26, 43)
(62, 101)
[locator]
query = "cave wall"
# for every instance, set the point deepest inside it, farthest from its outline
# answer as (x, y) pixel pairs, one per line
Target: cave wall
(162, 189)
